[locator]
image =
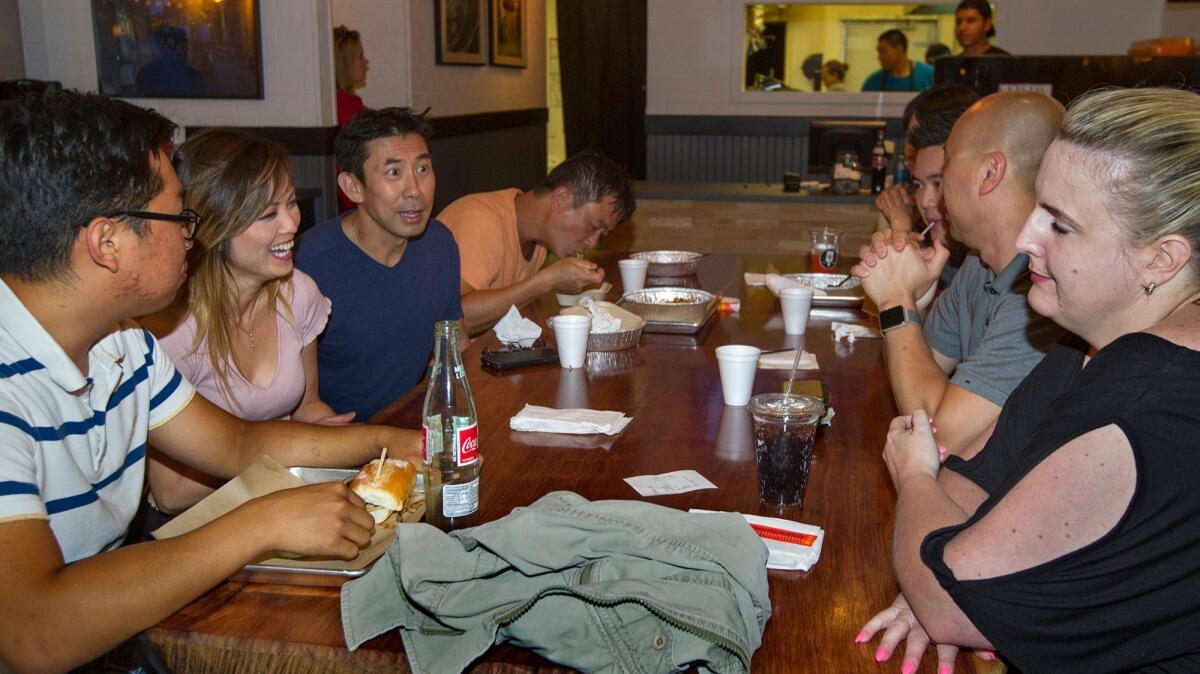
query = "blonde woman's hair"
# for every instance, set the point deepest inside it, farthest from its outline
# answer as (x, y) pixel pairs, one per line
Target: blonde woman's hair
(229, 178)
(1149, 140)
(346, 45)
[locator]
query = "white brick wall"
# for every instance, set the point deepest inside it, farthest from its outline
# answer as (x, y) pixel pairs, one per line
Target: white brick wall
(384, 28)
(298, 62)
(463, 90)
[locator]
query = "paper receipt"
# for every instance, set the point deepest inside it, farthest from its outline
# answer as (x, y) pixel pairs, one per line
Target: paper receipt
(676, 482)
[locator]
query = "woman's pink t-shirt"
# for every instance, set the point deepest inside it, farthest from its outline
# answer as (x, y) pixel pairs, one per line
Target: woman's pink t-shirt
(278, 399)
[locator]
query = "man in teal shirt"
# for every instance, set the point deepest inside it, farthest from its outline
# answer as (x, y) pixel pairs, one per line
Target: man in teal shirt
(898, 72)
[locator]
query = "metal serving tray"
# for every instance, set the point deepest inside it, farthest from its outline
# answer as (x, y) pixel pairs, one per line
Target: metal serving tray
(309, 571)
(850, 294)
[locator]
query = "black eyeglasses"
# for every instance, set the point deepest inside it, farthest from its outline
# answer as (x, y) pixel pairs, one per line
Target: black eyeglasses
(188, 217)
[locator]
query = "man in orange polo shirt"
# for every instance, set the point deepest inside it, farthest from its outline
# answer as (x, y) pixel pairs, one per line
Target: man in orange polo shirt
(504, 237)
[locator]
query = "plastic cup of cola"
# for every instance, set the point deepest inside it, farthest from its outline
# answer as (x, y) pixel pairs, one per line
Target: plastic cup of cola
(796, 303)
(571, 336)
(784, 429)
(633, 274)
(737, 364)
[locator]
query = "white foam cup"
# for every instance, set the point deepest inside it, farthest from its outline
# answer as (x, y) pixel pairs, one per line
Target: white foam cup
(796, 303)
(571, 337)
(633, 274)
(737, 363)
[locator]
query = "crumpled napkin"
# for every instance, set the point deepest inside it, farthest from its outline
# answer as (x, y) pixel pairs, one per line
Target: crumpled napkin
(578, 421)
(777, 282)
(850, 331)
(516, 329)
(602, 321)
(753, 280)
(782, 360)
(791, 546)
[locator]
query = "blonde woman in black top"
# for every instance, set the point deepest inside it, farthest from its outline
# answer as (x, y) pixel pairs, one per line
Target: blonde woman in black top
(1070, 541)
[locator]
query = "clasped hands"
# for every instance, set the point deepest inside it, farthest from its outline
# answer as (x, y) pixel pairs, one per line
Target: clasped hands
(911, 451)
(896, 204)
(895, 270)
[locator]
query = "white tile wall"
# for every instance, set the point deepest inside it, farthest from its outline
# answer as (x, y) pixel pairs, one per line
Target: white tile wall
(297, 63)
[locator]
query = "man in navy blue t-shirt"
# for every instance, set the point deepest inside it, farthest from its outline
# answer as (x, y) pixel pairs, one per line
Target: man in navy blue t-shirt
(390, 271)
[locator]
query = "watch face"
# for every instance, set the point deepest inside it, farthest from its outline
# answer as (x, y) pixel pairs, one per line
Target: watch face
(891, 318)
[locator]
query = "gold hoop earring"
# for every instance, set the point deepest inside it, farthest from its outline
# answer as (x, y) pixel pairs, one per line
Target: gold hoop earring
(1149, 288)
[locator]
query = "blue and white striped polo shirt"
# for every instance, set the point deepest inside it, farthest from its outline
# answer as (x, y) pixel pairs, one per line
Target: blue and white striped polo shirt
(73, 448)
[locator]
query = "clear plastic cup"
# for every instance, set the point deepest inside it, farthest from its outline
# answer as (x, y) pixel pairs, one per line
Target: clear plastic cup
(784, 429)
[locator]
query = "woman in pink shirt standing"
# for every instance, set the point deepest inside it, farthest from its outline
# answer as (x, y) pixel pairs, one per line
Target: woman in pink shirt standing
(246, 337)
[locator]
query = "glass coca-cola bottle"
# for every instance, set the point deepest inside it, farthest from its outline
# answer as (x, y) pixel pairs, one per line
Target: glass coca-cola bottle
(451, 446)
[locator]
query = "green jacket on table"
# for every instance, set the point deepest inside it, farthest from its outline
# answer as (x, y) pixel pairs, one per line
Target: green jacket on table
(623, 586)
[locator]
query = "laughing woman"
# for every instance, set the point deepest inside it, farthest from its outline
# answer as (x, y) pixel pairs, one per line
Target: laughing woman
(246, 335)
(1070, 541)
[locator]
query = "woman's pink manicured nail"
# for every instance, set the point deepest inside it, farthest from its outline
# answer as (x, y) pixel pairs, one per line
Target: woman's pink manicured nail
(881, 654)
(908, 668)
(861, 637)
(990, 656)
(944, 669)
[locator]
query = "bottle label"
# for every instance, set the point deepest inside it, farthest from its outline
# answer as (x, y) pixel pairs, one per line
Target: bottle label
(460, 500)
(466, 445)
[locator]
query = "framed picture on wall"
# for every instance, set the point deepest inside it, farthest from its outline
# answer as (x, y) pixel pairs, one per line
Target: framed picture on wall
(160, 49)
(460, 31)
(508, 32)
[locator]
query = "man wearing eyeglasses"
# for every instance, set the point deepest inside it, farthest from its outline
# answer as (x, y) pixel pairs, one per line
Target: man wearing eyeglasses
(93, 232)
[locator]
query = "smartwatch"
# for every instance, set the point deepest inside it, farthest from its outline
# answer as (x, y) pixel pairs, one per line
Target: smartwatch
(897, 317)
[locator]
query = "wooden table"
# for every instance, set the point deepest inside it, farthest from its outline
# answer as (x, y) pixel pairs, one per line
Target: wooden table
(670, 386)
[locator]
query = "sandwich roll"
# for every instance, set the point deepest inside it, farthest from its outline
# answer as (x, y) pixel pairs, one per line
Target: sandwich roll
(385, 486)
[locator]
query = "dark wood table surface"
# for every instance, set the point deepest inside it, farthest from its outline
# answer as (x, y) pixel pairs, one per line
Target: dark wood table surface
(670, 386)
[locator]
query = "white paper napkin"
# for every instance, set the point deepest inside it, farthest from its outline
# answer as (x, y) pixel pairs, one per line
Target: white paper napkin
(850, 331)
(782, 360)
(579, 421)
(516, 329)
(777, 282)
(791, 546)
(602, 320)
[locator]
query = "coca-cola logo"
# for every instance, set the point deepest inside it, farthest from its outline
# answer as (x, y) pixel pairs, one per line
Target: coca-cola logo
(468, 445)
